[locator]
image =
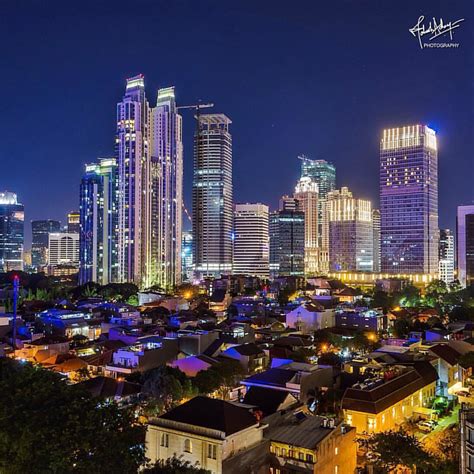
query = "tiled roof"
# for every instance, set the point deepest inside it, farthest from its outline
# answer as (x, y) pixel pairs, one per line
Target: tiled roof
(266, 399)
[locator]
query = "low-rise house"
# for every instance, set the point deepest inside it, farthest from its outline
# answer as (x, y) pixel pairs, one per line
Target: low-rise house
(251, 357)
(268, 401)
(237, 333)
(67, 323)
(41, 349)
(196, 341)
(110, 389)
(310, 317)
(306, 443)
(360, 319)
(208, 432)
(193, 364)
(219, 302)
(385, 401)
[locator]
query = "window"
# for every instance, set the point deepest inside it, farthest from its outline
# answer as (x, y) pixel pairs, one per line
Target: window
(212, 451)
(336, 451)
(301, 456)
(309, 458)
(165, 440)
(188, 446)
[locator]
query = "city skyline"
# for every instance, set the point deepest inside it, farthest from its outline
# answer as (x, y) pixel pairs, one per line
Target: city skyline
(319, 98)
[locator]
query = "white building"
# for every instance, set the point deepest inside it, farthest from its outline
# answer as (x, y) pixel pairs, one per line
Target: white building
(446, 256)
(251, 242)
(310, 317)
(63, 248)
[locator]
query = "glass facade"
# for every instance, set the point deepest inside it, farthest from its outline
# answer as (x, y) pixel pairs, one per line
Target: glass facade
(409, 200)
(12, 217)
(40, 231)
(465, 244)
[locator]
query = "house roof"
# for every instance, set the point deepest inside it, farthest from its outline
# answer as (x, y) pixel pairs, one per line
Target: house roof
(446, 352)
(214, 348)
(272, 377)
(212, 413)
(107, 387)
(383, 396)
(266, 399)
(248, 349)
(293, 341)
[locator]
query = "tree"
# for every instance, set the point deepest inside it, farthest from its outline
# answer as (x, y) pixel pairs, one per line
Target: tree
(175, 465)
(329, 358)
(48, 426)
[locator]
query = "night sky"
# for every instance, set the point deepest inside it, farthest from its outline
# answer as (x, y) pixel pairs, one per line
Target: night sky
(319, 78)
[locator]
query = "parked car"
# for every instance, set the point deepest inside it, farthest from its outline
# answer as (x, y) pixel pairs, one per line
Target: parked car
(426, 425)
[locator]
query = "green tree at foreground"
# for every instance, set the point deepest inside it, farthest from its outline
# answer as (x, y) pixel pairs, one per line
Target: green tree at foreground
(47, 426)
(175, 465)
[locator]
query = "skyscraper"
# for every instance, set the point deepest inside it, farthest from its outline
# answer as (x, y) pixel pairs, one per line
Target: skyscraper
(40, 231)
(465, 244)
(306, 193)
(73, 222)
(212, 196)
(376, 252)
(98, 222)
(409, 200)
(12, 216)
(350, 232)
(251, 243)
(134, 188)
(323, 174)
(446, 256)
(63, 249)
(187, 266)
(164, 252)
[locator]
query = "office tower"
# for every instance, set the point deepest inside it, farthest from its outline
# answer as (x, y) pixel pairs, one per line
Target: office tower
(12, 216)
(409, 200)
(40, 231)
(288, 203)
(287, 249)
(251, 242)
(63, 249)
(73, 222)
(350, 232)
(134, 189)
(323, 174)
(376, 251)
(212, 196)
(465, 244)
(446, 256)
(98, 221)
(164, 252)
(306, 194)
(187, 267)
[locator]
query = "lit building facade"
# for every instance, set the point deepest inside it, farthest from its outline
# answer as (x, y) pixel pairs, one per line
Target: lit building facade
(251, 242)
(465, 244)
(163, 255)
(12, 217)
(187, 265)
(73, 222)
(212, 197)
(376, 238)
(306, 194)
(446, 256)
(40, 231)
(98, 219)
(350, 232)
(63, 249)
(409, 200)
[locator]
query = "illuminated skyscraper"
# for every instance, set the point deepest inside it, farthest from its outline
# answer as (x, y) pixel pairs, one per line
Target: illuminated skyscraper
(12, 217)
(376, 224)
(350, 232)
(306, 194)
(40, 231)
(465, 244)
(409, 200)
(73, 222)
(98, 220)
(446, 256)
(63, 249)
(323, 174)
(212, 196)
(134, 182)
(166, 200)
(251, 244)
(187, 266)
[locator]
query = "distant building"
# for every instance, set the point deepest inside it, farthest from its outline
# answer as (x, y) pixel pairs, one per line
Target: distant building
(350, 232)
(376, 238)
(40, 231)
(12, 217)
(212, 197)
(310, 317)
(251, 241)
(73, 222)
(446, 256)
(360, 319)
(63, 249)
(465, 244)
(409, 200)
(187, 265)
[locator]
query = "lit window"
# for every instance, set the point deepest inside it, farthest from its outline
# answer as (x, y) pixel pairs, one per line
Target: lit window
(164, 440)
(188, 446)
(336, 451)
(212, 451)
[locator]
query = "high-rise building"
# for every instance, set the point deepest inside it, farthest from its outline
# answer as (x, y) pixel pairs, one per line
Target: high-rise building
(376, 251)
(446, 256)
(287, 242)
(409, 200)
(40, 231)
(251, 242)
(164, 251)
(323, 174)
(465, 244)
(350, 232)
(12, 217)
(98, 222)
(63, 249)
(187, 265)
(466, 430)
(73, 222)
(212, 196)
(134, 189)
(306, 194)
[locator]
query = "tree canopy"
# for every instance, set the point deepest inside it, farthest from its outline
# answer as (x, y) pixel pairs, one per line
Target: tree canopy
(175, 465)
